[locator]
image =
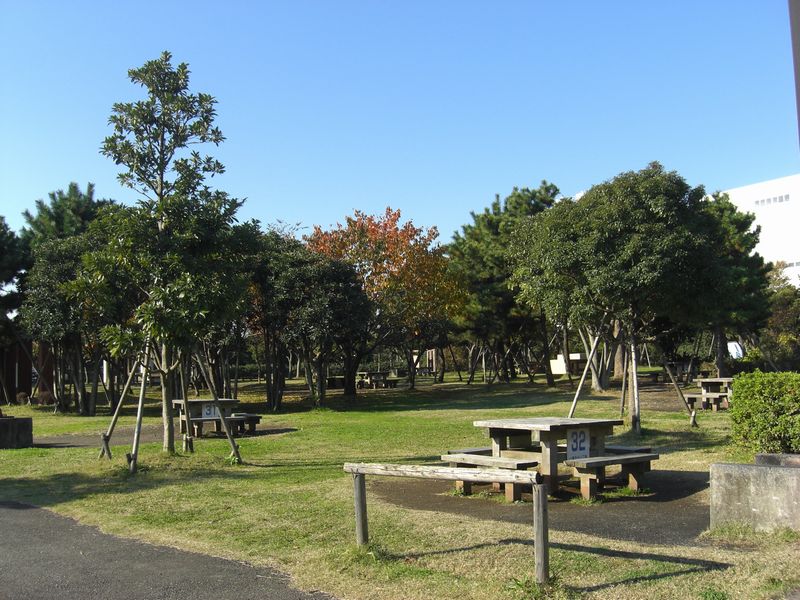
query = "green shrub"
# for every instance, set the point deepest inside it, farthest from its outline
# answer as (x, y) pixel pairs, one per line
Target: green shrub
(765, 410)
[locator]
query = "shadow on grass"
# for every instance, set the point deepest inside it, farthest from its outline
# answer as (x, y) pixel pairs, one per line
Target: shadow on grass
(692, 565)
(62, 487)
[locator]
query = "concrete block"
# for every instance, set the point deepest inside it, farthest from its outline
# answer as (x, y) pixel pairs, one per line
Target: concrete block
(762, 496)
(16, 432)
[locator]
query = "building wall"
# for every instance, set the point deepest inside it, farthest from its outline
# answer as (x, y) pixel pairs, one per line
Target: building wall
(776, 205)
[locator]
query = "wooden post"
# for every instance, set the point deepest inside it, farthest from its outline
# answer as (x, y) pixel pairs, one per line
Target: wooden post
(541, 551)
(360, 494)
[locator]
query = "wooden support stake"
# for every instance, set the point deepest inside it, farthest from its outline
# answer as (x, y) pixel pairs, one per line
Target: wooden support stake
(107, 437)
(624, 382)
(691, 411)
(583, 377)
(541, 550)
(360, 494)
(105, 449)
(210, 383)
(137, 433)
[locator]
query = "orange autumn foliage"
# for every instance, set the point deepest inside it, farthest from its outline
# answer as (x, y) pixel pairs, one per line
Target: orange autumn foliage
(403, 270)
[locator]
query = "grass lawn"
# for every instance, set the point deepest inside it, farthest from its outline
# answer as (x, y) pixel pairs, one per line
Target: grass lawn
(290, 506)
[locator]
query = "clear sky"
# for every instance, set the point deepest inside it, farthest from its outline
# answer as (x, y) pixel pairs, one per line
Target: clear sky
(431, 107)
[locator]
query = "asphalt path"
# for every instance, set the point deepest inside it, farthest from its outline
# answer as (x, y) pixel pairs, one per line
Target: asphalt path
(44, 556)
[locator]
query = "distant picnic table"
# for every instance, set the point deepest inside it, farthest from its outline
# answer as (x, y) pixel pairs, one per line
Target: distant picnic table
(715, 392)
(203, 410)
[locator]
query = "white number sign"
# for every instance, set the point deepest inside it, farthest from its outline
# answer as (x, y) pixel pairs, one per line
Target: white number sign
(577, 443)
(209, 410)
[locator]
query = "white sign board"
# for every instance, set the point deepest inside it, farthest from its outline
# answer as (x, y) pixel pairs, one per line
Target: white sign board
(577, 443)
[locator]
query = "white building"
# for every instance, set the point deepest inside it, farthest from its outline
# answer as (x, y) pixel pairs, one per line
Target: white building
(776, 205)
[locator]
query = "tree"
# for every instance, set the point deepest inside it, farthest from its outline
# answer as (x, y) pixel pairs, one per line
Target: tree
(625, 250)
(779, 341)
(181, 243)
(66, 214)
(479, 257)
(49, 315)
(404, 275)
(736, 297)
(12, 263)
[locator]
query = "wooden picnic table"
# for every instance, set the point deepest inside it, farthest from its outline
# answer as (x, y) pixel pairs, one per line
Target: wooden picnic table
(203, 410)
(538, 438)
(715, 391)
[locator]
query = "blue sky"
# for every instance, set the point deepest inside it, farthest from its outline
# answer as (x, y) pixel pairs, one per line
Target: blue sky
(430, 107)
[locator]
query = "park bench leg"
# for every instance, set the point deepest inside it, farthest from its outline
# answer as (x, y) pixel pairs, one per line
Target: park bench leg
(634, 473)
(464, 487)
(549, 462)
(198, 429)
(513, 492)
(588, 484)
(251, 426)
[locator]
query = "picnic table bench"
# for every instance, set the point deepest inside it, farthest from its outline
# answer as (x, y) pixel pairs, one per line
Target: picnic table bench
(591, 470)
(513, 490)
(249, 419)
(233, 422)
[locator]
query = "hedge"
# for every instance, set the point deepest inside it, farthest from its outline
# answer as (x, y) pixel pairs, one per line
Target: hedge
(765, 410)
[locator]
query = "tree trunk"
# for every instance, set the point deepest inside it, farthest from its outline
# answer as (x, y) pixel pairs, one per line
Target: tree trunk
(95, 377)
(411, 364)
(636, 422)
(721, 351)
(618, 350)
(548, 372)
(321, 383)
(166, 400)
(351, 361)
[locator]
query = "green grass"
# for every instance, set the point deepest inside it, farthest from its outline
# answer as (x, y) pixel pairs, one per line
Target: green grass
(290, 504)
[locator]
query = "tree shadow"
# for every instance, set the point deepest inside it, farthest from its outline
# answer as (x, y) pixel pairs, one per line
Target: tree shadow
(691, 565)
(61, 487)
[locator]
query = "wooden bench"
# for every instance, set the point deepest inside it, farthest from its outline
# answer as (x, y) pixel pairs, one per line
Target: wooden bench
(591, 471)
(233, 423)
(541, 547)
(513, 491)
(615, 449)
(250, 420)
(485, 450)
(653, 377)
(692, 398)
(717, 400)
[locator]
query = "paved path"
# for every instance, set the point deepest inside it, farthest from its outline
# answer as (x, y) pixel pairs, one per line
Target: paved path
(44, 556)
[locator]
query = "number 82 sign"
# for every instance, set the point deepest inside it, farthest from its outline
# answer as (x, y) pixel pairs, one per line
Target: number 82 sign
(577, 443)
